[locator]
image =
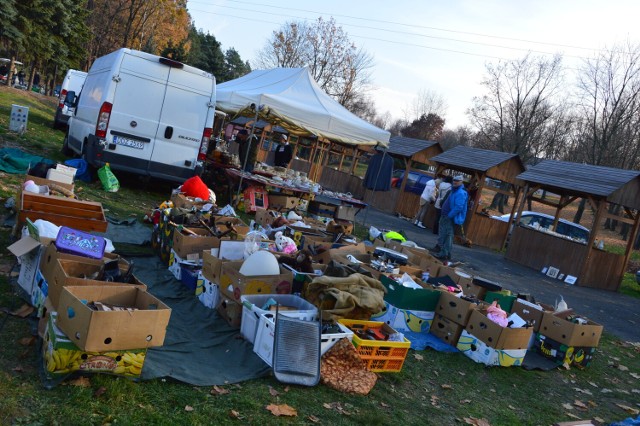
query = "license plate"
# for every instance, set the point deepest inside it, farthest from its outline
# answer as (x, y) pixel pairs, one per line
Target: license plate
(128, 142)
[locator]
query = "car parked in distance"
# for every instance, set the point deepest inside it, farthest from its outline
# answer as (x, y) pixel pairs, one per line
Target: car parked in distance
(565, 227)
(416, 181)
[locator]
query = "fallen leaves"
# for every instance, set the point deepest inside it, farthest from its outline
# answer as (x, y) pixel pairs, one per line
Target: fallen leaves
(338, 407)
(630, 410)
(273, 392)
(418, 357)
(81, 381)
(476, 422)
(217, 390)
(282, 410)
(635, 375)
(99, 392)
(581, 405)
(313, 418)
(27, 341)
(446, 386)
(234, 414)
(188, 408)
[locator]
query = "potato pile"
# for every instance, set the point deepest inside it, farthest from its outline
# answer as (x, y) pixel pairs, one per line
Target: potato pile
(343, 370)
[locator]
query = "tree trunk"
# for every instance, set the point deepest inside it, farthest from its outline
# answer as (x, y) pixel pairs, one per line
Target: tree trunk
(578, 215)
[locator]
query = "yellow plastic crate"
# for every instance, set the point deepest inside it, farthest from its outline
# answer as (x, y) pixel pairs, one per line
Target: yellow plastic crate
(379, 355)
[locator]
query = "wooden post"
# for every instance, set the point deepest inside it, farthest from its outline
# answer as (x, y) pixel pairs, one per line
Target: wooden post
(556, 217)
(513, 211)
(592, 235)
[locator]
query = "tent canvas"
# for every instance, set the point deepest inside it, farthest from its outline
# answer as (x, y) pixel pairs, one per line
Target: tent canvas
(290, 97)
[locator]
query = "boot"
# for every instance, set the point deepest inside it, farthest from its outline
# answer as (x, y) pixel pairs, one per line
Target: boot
(420, 225)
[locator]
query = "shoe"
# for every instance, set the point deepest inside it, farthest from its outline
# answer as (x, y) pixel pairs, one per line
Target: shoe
(420, 225)
(415, 222)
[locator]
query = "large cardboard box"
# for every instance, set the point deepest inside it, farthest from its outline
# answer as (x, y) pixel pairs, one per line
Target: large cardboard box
(265, 217)
(495, 336)
(234, 284)
(99, 331)
(446, 330)
(346, 213)
(50, 256)
(580, 357)
(222, 222)
(231, 311)
(282, 202)
(423, 299)
(181, 200)
(62, 357)
(529, 312)
(73, 272)
(186, 244)
(321, 209)
(477, 350)
(409, 320)
(455, 308)
(387, 315)
(28, 251)
(559, 328)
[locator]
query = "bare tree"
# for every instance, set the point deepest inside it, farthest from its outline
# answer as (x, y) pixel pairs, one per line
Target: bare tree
(339, 67)
(460, 136)
(426, 102)
(519, 113)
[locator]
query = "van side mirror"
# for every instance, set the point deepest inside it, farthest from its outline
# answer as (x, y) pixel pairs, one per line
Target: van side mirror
(70, 98)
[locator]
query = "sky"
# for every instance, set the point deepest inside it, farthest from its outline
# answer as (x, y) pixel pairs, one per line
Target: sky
(438, 46)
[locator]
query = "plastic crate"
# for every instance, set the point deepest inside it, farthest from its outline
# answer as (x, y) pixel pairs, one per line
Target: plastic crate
(251, 310)
(379, 355)
(330, 339)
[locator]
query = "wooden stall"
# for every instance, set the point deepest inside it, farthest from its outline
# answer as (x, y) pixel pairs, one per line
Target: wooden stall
(411, 152)
(601, 187)
(480, 165)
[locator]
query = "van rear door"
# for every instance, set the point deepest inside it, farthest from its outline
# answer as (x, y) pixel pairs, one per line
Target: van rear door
(187, 109)
(137, 104)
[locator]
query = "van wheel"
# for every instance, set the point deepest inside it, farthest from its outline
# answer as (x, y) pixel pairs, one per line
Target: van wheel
(65, 147)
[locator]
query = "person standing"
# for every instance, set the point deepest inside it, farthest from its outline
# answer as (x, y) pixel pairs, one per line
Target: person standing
(454, 212)
(427, 199)
(443, 191)
(283, 153)
(247, 150)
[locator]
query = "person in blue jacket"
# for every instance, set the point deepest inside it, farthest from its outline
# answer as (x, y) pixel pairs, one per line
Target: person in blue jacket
(454, 212)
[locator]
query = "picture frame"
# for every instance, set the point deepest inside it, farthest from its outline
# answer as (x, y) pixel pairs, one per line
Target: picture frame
(544, 270)
(570, 279)
(561, 277)
(553, 272)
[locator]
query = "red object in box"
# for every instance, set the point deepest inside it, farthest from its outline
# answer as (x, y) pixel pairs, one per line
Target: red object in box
(80, 243)
(255, 198)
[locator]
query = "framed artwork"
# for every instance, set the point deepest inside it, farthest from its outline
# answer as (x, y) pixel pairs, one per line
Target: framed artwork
(553, 272)
(545, 269)
(561, 276)
(570, 279)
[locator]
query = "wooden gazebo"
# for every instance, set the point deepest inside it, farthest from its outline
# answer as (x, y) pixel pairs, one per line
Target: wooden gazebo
(411, 152)
(480, 164)
(593, 267)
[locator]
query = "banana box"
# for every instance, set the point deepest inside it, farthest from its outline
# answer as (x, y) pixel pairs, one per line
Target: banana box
(579, 357)
(478, 351)
(413, 320)
(234, 283)
(387, 315)
(208, 293)
(62, 357)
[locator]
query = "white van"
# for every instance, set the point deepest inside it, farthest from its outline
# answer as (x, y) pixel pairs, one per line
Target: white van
(72, 85)
(144, 114)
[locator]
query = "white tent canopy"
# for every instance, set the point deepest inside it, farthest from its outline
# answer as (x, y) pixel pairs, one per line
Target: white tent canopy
(291, 98)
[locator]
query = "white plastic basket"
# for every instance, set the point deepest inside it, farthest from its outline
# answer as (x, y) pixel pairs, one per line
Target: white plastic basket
(251, 310)
(265, 333)
(328, 340)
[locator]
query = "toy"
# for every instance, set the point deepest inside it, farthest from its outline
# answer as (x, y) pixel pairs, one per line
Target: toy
(497, 315)
(285, 244)
(301, 262)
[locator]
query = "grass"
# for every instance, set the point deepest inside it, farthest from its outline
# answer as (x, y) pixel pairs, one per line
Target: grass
(432, 388)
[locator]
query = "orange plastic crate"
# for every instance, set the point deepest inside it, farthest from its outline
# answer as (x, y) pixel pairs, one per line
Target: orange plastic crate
(379, 355)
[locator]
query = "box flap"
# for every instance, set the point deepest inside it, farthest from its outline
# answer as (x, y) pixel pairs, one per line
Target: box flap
(23, 246)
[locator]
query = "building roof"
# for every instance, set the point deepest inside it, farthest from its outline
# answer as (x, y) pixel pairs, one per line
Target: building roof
(579, 178)
(473, 159)
(407, 147)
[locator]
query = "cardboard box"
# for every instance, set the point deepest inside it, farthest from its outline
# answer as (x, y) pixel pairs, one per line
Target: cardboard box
(222, 221)
(231, 312)
(210, 294)
(558, 328)
(72, 272)
(504, 300)
(529, 312)
(265, 217)
(60, 176)
(497, 337)
(480, 352)
(185, 244)
(387, 315)
(181, 200)
(50, 256)
(446, 330)
(62, 357)
(282, 202)
(234, 284)
(112, 330)
(471, 289)
(340, 226)
(346, 213)
(321, 209)
(28, 251)
(580, 357)
(424, 299)
(456, 309)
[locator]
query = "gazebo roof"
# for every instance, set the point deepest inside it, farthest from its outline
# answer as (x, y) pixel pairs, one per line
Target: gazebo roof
(494, 164)
(563, 177)
(407, 147)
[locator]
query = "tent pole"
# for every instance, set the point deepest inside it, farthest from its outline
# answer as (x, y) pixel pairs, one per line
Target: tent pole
(246, 155)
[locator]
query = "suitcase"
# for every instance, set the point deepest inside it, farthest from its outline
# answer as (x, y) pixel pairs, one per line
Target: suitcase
(80, 243)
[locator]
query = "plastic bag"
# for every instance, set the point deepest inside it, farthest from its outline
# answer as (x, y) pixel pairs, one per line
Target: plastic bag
(109, 180)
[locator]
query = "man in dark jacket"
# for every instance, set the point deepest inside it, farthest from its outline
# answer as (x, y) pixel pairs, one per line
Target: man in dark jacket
(283, 153)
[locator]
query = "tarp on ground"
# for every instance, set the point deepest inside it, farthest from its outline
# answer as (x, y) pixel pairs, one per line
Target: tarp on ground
(291, 98)
(16, 161)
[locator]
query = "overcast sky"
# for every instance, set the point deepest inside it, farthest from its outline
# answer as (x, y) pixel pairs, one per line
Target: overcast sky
(439, 46)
